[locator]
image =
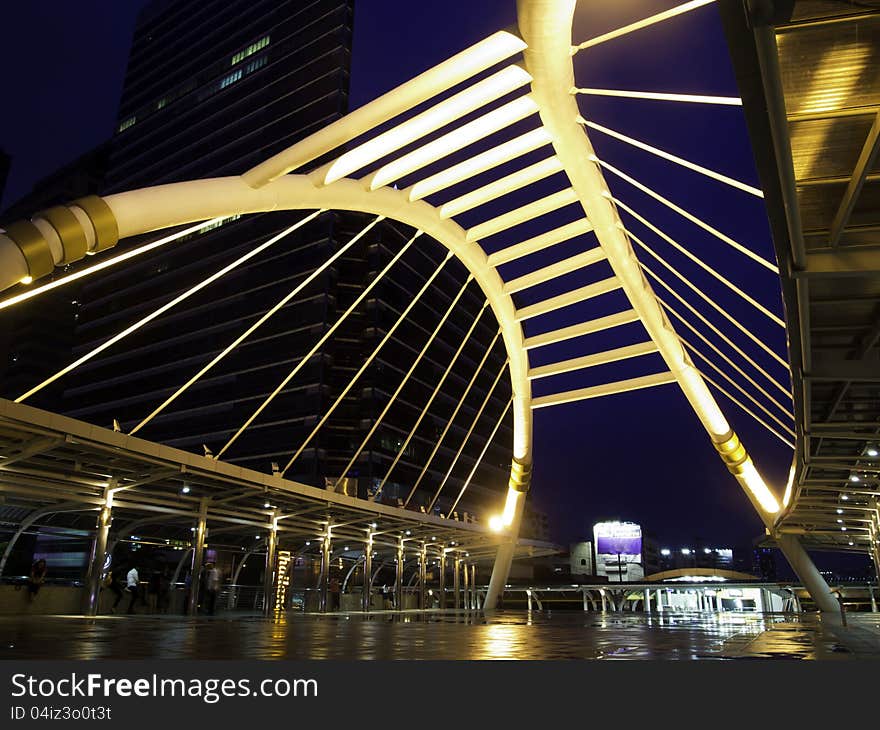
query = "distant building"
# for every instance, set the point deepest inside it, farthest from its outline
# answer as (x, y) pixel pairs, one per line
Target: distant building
(580, 558)
(618, 550)
(696, 557)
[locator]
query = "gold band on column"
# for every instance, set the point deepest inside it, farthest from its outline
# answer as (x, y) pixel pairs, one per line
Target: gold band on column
(520, 475)
(33, 246)
(73, 238)
(732, 452)
(103, 221)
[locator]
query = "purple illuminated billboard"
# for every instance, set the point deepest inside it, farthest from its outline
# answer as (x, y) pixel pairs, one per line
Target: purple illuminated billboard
(618, 538)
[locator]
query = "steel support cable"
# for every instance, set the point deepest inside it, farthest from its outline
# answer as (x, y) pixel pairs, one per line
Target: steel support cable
(739, 387)
(320, 343)
(639, 24)
(689, 216)
(400, 320)
(256, 325)
(747, 410)
(711, 302)
(479, 460)
(458, 406)
(406, 377)
(167, 306)
(106, 263)
(693, 166)
(727, 359)
(712, 327)
(658, 96)
(430, 400)
(468, 435)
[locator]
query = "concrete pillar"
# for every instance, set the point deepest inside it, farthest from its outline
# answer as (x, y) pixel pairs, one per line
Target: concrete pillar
(197, 556)
(602, 596)
(584, 597)
(467, 595)
(443, 578)
(456, 581)
(804, 569)
(368, 571)
(647, 600)
(475, 599)
(873, 600)
(270, 575)
(324, 579)
(398, 586)
(423, 577)
(659, 594)
(504, 556)
(98, 555)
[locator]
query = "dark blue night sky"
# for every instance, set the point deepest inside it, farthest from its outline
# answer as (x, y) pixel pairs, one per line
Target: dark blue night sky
(641, 456)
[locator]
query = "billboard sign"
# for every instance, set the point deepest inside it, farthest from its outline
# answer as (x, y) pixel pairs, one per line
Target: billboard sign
(618, 550)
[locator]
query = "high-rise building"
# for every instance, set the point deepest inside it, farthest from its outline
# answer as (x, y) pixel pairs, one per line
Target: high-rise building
(5, 162)
(212, 88)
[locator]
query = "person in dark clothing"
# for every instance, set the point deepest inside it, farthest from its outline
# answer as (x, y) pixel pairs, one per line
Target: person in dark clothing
(115, 585)
(36, 578)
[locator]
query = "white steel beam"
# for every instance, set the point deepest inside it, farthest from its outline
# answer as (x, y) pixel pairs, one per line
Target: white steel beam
(598, 391)
(581, 294)
(540, 242)
(566, 266)
(524, 213)
(589, 361)
(582, 328)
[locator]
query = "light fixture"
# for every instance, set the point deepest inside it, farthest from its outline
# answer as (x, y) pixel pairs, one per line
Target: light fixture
(872, 450)
(184, 489)
(26, 279)
(308, 542)
(706, 550)
(665, 551)
(266, 505)
(495, 523)
(844, 497)
(854, 478)
(685, 551)
(839, 511)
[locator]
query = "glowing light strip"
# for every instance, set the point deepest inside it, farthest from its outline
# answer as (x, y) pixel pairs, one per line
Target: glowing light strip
(749, 411)
(479, 460)
(165, 307)
(105, 264)
(388, 335)
(524, 213)
(455, 140)
(467, 436)
(458, 406)
(736, 385)
(745, 330)
(674, 158)
(692, 218)
(378, 421)
(732, 364)
(656, 96)
(712, 327)
(505, 152)
(639, 24)
(317, 346)
(480, 94)
(256, 325)
(540, 242)
(430, 400)
(503, 186)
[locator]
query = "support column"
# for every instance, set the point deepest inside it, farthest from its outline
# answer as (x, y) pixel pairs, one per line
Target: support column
(443, 578)
(647, 600)
(873, 600)
(602, 596)
(198, 548)
(368, 570)
(514, 507)
(804, 569)
(398, 586)
(98, 554)
(270, 574)
(659, 600)
(467, 595)
(475, 600)
(324, 580)
(456, 581)
(423, 577)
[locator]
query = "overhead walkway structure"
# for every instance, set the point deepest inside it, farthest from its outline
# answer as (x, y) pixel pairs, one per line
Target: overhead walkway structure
(493, 155)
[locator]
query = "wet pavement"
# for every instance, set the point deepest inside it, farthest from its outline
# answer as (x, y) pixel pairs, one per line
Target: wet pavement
(449, 635)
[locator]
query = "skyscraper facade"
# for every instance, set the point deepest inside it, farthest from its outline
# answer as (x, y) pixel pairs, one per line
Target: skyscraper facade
(212, 88)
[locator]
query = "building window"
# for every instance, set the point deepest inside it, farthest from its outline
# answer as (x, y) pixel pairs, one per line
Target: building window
(257, 63)
(250, 50)
(161, 103)
(130, 122)
(230, 79)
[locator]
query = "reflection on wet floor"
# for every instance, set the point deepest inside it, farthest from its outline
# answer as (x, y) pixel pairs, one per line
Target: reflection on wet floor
(435, 635)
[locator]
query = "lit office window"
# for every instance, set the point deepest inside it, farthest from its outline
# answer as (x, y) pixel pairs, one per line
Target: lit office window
(257, 63)
(130, 122)
(230, 79)
(250, 50)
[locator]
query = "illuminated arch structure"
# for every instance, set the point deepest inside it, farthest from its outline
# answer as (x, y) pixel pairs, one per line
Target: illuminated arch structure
(532, 79)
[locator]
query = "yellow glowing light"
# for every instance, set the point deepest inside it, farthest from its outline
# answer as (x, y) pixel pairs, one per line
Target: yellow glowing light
(510, 503)
(496, 523)
(495, 86)
(465, 135)
(26, 279)
(487, 160)
(758, 487)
